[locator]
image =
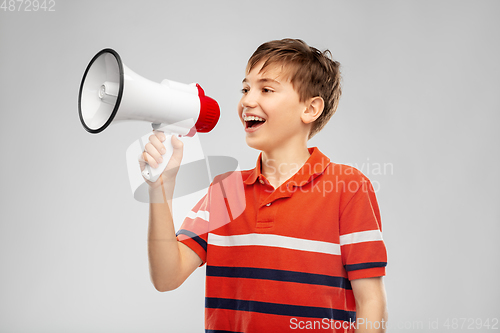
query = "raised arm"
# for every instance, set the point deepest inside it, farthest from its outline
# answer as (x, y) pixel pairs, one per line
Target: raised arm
(170, 262)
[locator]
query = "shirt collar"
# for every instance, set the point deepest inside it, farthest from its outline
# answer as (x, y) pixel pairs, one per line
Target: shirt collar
(314, 166)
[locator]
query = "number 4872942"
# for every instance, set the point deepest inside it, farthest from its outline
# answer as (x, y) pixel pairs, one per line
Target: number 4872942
(28, 5)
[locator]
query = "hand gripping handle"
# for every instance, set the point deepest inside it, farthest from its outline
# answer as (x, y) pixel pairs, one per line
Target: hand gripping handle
(149, 172)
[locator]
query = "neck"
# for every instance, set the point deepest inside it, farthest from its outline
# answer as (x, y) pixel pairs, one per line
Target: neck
(280, 165)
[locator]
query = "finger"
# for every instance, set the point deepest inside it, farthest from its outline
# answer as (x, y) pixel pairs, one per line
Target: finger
(157, 143)
(148, 159)
(160, 135)
(153, 152)
(142, 158)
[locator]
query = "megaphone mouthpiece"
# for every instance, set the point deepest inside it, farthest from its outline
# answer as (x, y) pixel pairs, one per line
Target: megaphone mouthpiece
(209, 112)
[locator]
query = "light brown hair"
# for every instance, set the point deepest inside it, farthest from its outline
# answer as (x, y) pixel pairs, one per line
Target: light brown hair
(311, 72)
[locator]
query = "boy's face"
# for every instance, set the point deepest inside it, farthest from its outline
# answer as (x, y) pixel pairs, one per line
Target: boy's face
(270, 110)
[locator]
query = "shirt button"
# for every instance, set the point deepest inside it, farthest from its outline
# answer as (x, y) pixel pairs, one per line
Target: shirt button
(261, 181)
(269, 204)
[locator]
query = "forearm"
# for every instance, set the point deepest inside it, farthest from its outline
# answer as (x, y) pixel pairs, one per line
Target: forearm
(371, 316)
(163, 248)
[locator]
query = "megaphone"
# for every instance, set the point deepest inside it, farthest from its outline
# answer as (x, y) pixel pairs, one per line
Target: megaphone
(110, 92)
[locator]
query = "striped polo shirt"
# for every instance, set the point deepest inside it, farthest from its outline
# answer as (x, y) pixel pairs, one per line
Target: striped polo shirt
(281, 260)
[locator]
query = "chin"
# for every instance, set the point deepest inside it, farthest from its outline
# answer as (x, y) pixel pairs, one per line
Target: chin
(256, 144)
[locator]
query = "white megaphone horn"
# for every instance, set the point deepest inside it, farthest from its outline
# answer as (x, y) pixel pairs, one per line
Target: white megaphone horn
(111, 92)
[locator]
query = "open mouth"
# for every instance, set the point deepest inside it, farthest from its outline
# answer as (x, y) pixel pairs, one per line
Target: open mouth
(253, 122)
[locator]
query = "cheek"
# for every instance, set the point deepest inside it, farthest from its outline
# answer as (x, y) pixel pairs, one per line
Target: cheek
(286, 114)
(239, 108)
(240, 112)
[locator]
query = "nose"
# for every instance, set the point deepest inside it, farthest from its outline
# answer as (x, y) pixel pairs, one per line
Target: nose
(248, 100)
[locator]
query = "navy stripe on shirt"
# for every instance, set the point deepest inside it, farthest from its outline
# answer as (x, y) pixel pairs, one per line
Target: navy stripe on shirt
(278, 275)
(365, 265)
(194, 236)
(279, 309)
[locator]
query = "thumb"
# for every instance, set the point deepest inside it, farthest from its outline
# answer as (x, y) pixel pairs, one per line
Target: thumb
(178, 150)
(174, 163)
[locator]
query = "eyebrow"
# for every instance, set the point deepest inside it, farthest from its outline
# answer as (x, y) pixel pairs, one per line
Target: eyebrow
(263, 80)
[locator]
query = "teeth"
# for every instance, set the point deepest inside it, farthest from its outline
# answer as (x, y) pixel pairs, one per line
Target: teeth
(248, 118)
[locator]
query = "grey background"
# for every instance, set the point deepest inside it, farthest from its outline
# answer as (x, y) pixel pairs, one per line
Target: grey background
(421, 96)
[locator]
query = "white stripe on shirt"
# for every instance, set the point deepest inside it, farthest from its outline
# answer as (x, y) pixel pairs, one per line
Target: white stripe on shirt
(359, 237)
(275, 241)
(203, 214)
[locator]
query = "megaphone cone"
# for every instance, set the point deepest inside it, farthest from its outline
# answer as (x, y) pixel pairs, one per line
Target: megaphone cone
(111, 92)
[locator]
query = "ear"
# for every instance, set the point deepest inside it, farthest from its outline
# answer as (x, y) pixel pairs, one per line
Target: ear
(314, 109)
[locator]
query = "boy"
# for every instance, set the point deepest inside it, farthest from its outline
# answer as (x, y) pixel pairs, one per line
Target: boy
(306, 253)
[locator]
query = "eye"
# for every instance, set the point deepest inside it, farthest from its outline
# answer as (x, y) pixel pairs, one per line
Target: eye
(244, 90)
(267, 90)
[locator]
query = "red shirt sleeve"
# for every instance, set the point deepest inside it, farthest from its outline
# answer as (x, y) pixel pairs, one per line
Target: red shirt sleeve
(363, 250)
(224, 201)
(194, 229)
